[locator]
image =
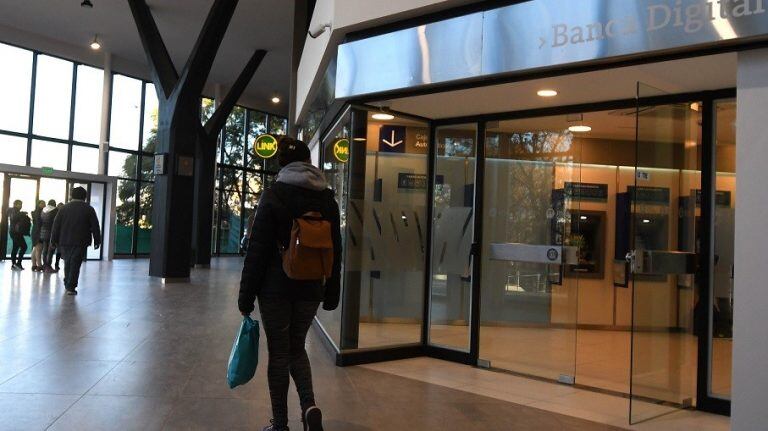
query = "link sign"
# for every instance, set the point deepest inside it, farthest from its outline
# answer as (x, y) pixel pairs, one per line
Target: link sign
(341, 150)
(265, 146)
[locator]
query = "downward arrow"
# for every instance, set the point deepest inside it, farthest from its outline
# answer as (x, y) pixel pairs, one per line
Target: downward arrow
(392, 143)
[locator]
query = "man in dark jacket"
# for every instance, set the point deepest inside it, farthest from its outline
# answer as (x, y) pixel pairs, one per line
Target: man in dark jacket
(46, 226)
(74, 226)
(19, 225)
(288, 306)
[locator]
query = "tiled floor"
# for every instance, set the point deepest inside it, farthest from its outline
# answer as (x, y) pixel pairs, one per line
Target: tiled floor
(131, 354)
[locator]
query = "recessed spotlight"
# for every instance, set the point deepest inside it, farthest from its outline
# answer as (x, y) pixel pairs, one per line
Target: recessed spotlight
(580, 129)
(547, 93)
(275, 100)
(95, 44)
(646, 221)
(583, 217)
(383, 116)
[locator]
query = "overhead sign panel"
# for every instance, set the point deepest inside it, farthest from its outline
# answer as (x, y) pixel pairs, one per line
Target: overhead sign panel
(541, 34)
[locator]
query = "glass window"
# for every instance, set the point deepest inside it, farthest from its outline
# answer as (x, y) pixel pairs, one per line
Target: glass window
(125, 210)
(231, 179)
(231, 222)
(254, 182)
(14, 150)
(147, 167)
(277, 125)
(15, 85)
(233, 137)
(88, 94)
(151, 107)
(47, 154)
(122, 164)
(721, 349)
(97, 202)
(53, 97)
(207, 109)
(126, 113)
(257, 126)
(85, 159)
(144, 235)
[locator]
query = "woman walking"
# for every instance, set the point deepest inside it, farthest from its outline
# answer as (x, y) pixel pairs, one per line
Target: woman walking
(288, 306)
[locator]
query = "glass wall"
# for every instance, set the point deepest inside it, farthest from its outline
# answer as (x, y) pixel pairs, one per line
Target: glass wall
(132, 138)
(47, 125)
(241, 173)
(378, 170)
(721, 327)
(453, 231)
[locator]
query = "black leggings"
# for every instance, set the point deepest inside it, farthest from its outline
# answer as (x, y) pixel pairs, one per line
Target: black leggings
(286, 324)
(19, 248)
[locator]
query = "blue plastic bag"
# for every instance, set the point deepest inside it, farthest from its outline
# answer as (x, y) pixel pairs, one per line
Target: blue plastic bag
(245, 354)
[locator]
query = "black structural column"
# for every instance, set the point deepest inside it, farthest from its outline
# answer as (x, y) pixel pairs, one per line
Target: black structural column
(188, 148)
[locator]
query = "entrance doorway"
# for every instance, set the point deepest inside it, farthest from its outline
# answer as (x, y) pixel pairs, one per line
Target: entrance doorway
(574, 247)
(30, 189)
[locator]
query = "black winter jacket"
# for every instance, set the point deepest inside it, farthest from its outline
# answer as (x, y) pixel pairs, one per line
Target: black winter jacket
(46, 222)
(20, 223)
(75, 224)
(263, 273)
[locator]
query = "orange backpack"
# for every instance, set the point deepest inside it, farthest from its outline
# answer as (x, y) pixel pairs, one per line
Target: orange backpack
(309, 255)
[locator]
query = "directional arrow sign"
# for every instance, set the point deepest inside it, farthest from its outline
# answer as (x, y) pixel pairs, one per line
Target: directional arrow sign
(392, 139)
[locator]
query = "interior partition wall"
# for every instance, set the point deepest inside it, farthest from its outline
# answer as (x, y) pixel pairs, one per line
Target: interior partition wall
(433, 213)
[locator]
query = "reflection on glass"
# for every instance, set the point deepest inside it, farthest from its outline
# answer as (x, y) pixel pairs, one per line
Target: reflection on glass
(14, 150)
(85, 159)
(125, 211)
(277, 125)
(126, 113)
(88, 95)
(49, 154)
(15, 85)
(452, 236)
(151, 106)
(207, 108)
(527, 302)
(53, 97)
(721, 349)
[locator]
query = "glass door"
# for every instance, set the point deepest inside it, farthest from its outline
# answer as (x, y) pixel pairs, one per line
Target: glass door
(537, 244)
(453, 233)
(25, 190)
(665, 227)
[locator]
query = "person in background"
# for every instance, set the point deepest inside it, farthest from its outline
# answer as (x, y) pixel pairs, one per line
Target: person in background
(288, 306)
(20, 225)
(10, 214)
(46, 226)
(74, 228)
(37, 244)
(58, 250)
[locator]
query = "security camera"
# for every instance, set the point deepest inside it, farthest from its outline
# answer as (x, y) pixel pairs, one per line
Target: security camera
(315, 31)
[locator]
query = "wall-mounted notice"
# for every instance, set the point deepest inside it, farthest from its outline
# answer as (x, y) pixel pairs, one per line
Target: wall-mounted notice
(722, 197)
(649, 195)
(587, 191)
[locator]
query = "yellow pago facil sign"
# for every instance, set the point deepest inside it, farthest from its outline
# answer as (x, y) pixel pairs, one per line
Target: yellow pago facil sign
(265, 146)
(341, 150)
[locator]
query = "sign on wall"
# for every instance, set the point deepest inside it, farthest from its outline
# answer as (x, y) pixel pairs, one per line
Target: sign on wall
(392, 139)
(408, 181)
(265, 146)
(341, 150)
(543, 34)
(587, 191)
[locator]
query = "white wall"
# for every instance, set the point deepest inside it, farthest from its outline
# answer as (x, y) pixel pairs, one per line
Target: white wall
(750, 351)
(346, 16)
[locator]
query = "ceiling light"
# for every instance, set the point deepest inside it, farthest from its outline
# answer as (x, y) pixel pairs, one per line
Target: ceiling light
(275, 100)
(95, 44)
(646, 221)
(359, 139)
(583, 217)
(86, 3)
(383, 116)
(547, 93)
(580, 129)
